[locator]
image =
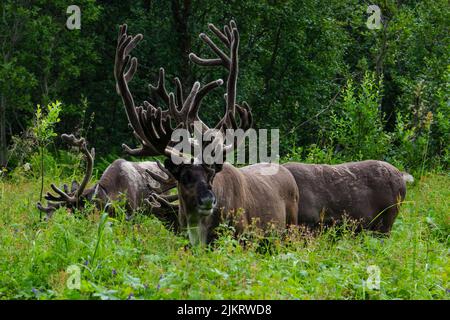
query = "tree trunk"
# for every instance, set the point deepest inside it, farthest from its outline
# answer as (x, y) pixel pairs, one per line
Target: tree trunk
(181, 14)
(3, 143)
(379, 60)
(269, 72)
(42, 149)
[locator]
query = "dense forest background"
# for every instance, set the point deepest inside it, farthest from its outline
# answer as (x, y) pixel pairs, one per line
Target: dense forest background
(337, 90)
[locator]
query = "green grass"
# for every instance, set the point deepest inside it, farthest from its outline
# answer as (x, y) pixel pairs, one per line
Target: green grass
(141, 259)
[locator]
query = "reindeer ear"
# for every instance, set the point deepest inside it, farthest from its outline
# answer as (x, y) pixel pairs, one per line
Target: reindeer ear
(173, 168)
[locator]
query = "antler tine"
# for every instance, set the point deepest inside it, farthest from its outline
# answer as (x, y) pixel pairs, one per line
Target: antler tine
(234, 69)
(160, 88)
(180, 109)
(193, 111)
(42, 208)
(164, 169)
(165, 199)
(225, 60)
(151, 125)
(51, 197)
(188, 113)
(163, 184)
(180, 114)
(81, 143)
(230, 37)
(73, 196)
(219, 34)
(164, 210)
(75, 185)
(49, 210)
(166, 183)
(245, 123)
(157, 200)
(63, 196)
(156, 125)
(71, 140)
(179, 92)
(245, 115)
(89, 169)
(125, 44)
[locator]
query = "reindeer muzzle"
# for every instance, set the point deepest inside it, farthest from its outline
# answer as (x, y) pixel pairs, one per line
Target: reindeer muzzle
(207, 203)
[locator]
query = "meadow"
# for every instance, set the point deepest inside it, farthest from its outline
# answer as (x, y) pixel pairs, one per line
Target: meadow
(139, 258)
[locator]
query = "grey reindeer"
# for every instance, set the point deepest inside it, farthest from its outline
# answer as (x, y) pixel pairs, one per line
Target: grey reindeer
(142, 184)
(368, 192)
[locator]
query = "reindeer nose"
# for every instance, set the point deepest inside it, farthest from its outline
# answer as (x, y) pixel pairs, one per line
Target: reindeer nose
(207, 201)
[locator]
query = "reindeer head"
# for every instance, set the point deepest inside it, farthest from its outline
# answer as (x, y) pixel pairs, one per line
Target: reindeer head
(195, 186)
(154, 127)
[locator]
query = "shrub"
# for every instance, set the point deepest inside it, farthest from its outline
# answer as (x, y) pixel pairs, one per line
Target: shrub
(357, 126)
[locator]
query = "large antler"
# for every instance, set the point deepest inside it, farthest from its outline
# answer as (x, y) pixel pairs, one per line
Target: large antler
(72, 197)
(124, 46)
(230, 39)
(166, 182)
(161, 204)
(153, 126)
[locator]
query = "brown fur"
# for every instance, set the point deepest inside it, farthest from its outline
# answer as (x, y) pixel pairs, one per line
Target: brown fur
(125, 179)
(369, 191)
(266, 198)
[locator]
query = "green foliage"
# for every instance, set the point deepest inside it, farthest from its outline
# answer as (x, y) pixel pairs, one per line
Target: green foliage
(357, 125)
(411, 143)
(35, 140)
(312, 154)
(43, 131)
(21, 148)
(40, 59)
(50, 164)
(357, 131)
(45, 122)
(296, 56)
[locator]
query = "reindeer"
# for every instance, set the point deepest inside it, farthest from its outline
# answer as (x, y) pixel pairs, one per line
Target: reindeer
(141, 184)
(369, 192)
(207, 192)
